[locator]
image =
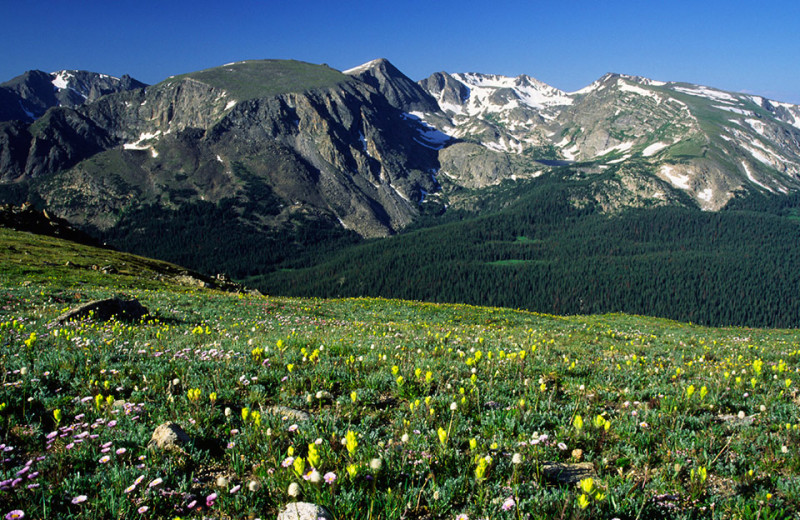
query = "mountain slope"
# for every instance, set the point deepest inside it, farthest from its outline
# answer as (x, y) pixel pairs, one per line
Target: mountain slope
(28, 96)
(657, 138)
(270, 140)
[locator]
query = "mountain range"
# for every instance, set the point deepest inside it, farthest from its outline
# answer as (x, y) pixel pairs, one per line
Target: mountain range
(247, 165)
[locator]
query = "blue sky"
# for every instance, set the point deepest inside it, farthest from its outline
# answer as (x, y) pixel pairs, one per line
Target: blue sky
(734, 45)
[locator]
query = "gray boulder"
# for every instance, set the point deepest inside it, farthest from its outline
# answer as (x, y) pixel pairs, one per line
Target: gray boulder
(168, 436)
(304, 511)
(103, 310)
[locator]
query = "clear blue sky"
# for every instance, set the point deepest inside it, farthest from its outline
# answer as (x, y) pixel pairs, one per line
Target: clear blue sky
(734, 45)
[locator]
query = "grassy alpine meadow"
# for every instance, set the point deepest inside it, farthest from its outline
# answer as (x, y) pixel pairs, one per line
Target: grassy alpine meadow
(411, 410)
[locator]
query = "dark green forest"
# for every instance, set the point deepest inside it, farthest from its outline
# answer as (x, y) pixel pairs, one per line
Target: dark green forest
(735, 267)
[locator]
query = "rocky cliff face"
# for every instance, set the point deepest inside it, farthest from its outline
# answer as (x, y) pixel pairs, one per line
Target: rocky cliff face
(343, 152)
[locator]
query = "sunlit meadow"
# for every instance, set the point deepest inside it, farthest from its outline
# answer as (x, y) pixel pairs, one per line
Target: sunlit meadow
(415, 411)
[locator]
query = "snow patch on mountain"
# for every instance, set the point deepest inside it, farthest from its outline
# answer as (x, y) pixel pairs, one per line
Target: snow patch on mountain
(362, 68)
(654, 149)
(752, 178)
(706, 92)
(142, 143)
(622, 147)
(757, 125)
(676, 179)
(734, 110)
(61, 80)
(627, 87)
(431, 137)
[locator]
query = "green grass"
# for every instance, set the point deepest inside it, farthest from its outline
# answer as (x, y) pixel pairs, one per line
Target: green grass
(428, 390)
(263, 78)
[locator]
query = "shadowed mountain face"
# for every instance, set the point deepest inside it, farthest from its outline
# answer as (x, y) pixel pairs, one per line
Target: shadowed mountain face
(27, 97)
(280, 147)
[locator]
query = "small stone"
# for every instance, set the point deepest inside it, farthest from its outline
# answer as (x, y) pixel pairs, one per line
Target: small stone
(304, 511)
(568, 473)
(290, 413)
(169, 435)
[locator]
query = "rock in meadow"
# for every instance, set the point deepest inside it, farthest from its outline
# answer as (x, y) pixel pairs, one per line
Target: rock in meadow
(304, 511)
(103, 310)
(568, 473)
(168, 436)
(290, 413)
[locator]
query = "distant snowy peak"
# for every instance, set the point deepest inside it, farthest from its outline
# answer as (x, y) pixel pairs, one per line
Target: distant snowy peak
(28, 96)
(494, 93)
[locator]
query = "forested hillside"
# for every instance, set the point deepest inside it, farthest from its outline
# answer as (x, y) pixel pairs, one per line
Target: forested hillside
(740, 266)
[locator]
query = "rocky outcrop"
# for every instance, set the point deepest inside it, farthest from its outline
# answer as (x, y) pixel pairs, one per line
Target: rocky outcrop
(26, 218)
(104, 310)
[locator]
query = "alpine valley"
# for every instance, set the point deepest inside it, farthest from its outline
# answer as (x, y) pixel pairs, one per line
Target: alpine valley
(631, 194)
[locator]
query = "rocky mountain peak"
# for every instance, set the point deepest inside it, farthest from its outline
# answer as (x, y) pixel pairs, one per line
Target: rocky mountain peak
(401, 92)
(28, 96)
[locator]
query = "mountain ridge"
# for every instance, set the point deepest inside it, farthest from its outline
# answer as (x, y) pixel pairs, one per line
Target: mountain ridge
(289, 150)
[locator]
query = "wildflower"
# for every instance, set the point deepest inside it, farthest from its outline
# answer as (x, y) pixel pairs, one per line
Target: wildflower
(587, 485)
(234, 489)
(509, 504)
(222, 482)
(330, 477)
(130, 488)
(155, 482)
(142, 510)
(442, 435)
(293, 428)
(57, 415)
(376, 464)
(480, 470)
(104, 459)
(583, 501)
(299, 465)
(516, 459)
(453, 407)
(120, 451)
(294, 489)
(15, 514)
(210, 499)
(350, 442)
(354, 396)
(245, 413)
(79, 499)
(462, 516)
(352, 470)
(578, 422)
(562, 446)
(253, 485)
(404, 438)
